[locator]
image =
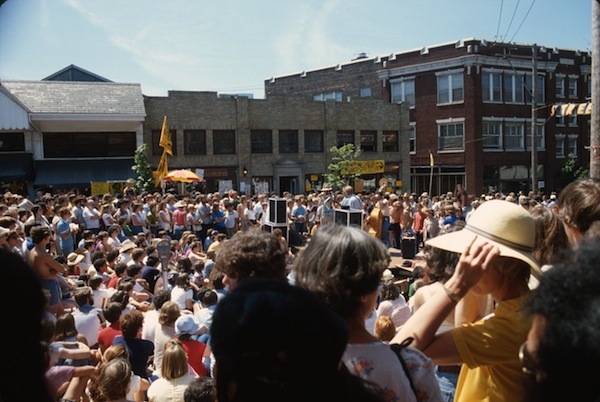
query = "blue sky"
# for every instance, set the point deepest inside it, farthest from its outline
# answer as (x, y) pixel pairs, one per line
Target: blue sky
(232, 46)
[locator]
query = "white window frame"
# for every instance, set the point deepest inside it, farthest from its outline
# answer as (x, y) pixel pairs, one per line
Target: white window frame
(412, 138)
(455, 122)
(452, 78)
(572, 86)
(487, 91)
(559, 145)
(540, 136)
(572, 120)
(401, 91)
(516, 92)
(560, 85)
(509, 134)
(336, 95)
(484, 134)
(540, 89)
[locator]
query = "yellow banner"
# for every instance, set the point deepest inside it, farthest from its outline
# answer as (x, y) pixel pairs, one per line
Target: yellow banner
(99, 187)
(365, 167)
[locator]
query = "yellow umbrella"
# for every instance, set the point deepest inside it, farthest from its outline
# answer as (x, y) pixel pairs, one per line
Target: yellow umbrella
(182, 176)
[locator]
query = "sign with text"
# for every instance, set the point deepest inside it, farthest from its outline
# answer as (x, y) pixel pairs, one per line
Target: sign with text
(365, 167)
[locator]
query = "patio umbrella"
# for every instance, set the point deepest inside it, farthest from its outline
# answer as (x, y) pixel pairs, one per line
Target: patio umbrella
(182, 176)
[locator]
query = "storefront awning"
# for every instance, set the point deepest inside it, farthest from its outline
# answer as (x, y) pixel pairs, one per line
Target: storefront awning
(82, 172)
(16, 166)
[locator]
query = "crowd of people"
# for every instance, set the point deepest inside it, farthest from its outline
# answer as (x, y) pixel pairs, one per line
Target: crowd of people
(241, 312)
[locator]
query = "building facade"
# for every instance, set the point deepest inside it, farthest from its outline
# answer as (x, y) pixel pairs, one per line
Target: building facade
(276, 144)
(471, 112)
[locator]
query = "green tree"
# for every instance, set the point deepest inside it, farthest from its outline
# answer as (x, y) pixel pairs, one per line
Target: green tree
(144, 180)
(571, 171)
(343, 168)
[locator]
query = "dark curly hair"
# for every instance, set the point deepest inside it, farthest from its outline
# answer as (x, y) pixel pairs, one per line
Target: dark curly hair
(578, 203)
(340, 264)
(569, 301)
(252, 254)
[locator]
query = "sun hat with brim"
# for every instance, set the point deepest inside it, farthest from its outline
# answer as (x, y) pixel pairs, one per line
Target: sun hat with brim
(504, 224)
(4, 231)
(74, 259)
(127, 245)
(186, 324)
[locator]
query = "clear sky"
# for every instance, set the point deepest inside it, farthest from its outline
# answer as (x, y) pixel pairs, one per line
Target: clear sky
(232, 46)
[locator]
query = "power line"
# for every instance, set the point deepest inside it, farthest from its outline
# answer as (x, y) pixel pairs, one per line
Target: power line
(499, 19)
(511, 20)
(524, 18)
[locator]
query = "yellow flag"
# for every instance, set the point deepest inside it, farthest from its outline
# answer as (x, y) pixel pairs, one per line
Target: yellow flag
(431, 159)
(162, 170)
(165, 138)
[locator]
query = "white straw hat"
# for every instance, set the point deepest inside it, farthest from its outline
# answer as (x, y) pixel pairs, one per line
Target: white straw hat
(506, 225)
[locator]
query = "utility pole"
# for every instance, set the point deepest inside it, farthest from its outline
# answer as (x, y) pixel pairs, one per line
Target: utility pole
(533, 121)
(595, 96)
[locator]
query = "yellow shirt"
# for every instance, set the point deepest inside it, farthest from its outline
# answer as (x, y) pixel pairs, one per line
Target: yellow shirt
(489, 349)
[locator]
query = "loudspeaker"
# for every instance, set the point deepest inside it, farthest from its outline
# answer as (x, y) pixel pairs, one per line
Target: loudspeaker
(277, 211)
(348, 217)
(270, 227)
(409, 245)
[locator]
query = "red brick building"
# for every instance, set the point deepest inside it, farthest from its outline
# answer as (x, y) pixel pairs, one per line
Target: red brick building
(470, 109)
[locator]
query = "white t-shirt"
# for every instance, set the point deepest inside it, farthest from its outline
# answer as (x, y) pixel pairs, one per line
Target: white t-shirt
(179, 296)
(163, 390)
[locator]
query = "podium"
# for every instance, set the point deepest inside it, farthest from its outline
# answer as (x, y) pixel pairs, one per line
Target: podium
(277, 211)
(348, 217)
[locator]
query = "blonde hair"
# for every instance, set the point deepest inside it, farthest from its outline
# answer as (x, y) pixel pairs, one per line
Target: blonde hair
(175, 361)
(169, 313)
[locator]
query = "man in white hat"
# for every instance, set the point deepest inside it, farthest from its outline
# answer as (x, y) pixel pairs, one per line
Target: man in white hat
(496, 246)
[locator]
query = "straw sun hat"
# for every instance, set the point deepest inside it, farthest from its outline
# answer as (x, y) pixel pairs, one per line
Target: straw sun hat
(504, 224)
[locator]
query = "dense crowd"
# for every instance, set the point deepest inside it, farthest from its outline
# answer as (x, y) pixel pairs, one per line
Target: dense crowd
(121, 323)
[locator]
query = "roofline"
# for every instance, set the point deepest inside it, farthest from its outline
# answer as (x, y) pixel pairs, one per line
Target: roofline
(78, 68)
(13, 98)
(45, 116)
(73, 82)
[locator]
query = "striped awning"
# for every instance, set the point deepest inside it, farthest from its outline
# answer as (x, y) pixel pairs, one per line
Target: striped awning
(570, 109)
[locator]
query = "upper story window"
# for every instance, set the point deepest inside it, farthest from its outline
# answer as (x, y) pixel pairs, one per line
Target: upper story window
(540, 142)
(540, 89)
(390, 141)
(513, 88)
(450, 88)
(156, 148)
(573, 87)
(572, 144)
(404, 91)
(288, 141)
(12, 142)
(89, 145)
(261, 141)
(451, 135)
(491, 86)
(345, 137)
(368, 141)
(336, 96)
(313, 141)
(560, 86)
(559, 145)
(194, 142)
(412, 138)
(492, 135)
(514, 136)
(224, 142)
(365, 92)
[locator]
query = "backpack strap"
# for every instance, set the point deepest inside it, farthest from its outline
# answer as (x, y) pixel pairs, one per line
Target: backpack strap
(397, 348)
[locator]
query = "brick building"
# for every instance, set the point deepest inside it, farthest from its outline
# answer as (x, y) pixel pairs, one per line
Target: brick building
(470, 109)
(276, 144)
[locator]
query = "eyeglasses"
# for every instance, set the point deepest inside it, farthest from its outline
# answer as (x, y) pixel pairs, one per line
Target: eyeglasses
(528, 364)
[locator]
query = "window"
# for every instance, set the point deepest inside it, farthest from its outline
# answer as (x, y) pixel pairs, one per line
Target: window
(404, 91)
(559, 145)
(572, 120)
(365, 92)
(288, 141)
(194, 142)
(451, 136)
(390, 141)
(539, 136)
(89, 145)
(450, 88)
(560, 120)
(336, 96)
(156, 148)
(412, 138)
(560, 86)
(513, 136)
(313, 141)
(573, 87)
(492, 135)
(12, 142)
(368, 141)
(513, 88)
(540, 89)
(223, 142)
(491, 87)
(572, 145)
(261, 141)
(345, 137)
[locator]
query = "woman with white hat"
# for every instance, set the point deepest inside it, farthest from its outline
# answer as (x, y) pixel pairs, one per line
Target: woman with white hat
(496, 246)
